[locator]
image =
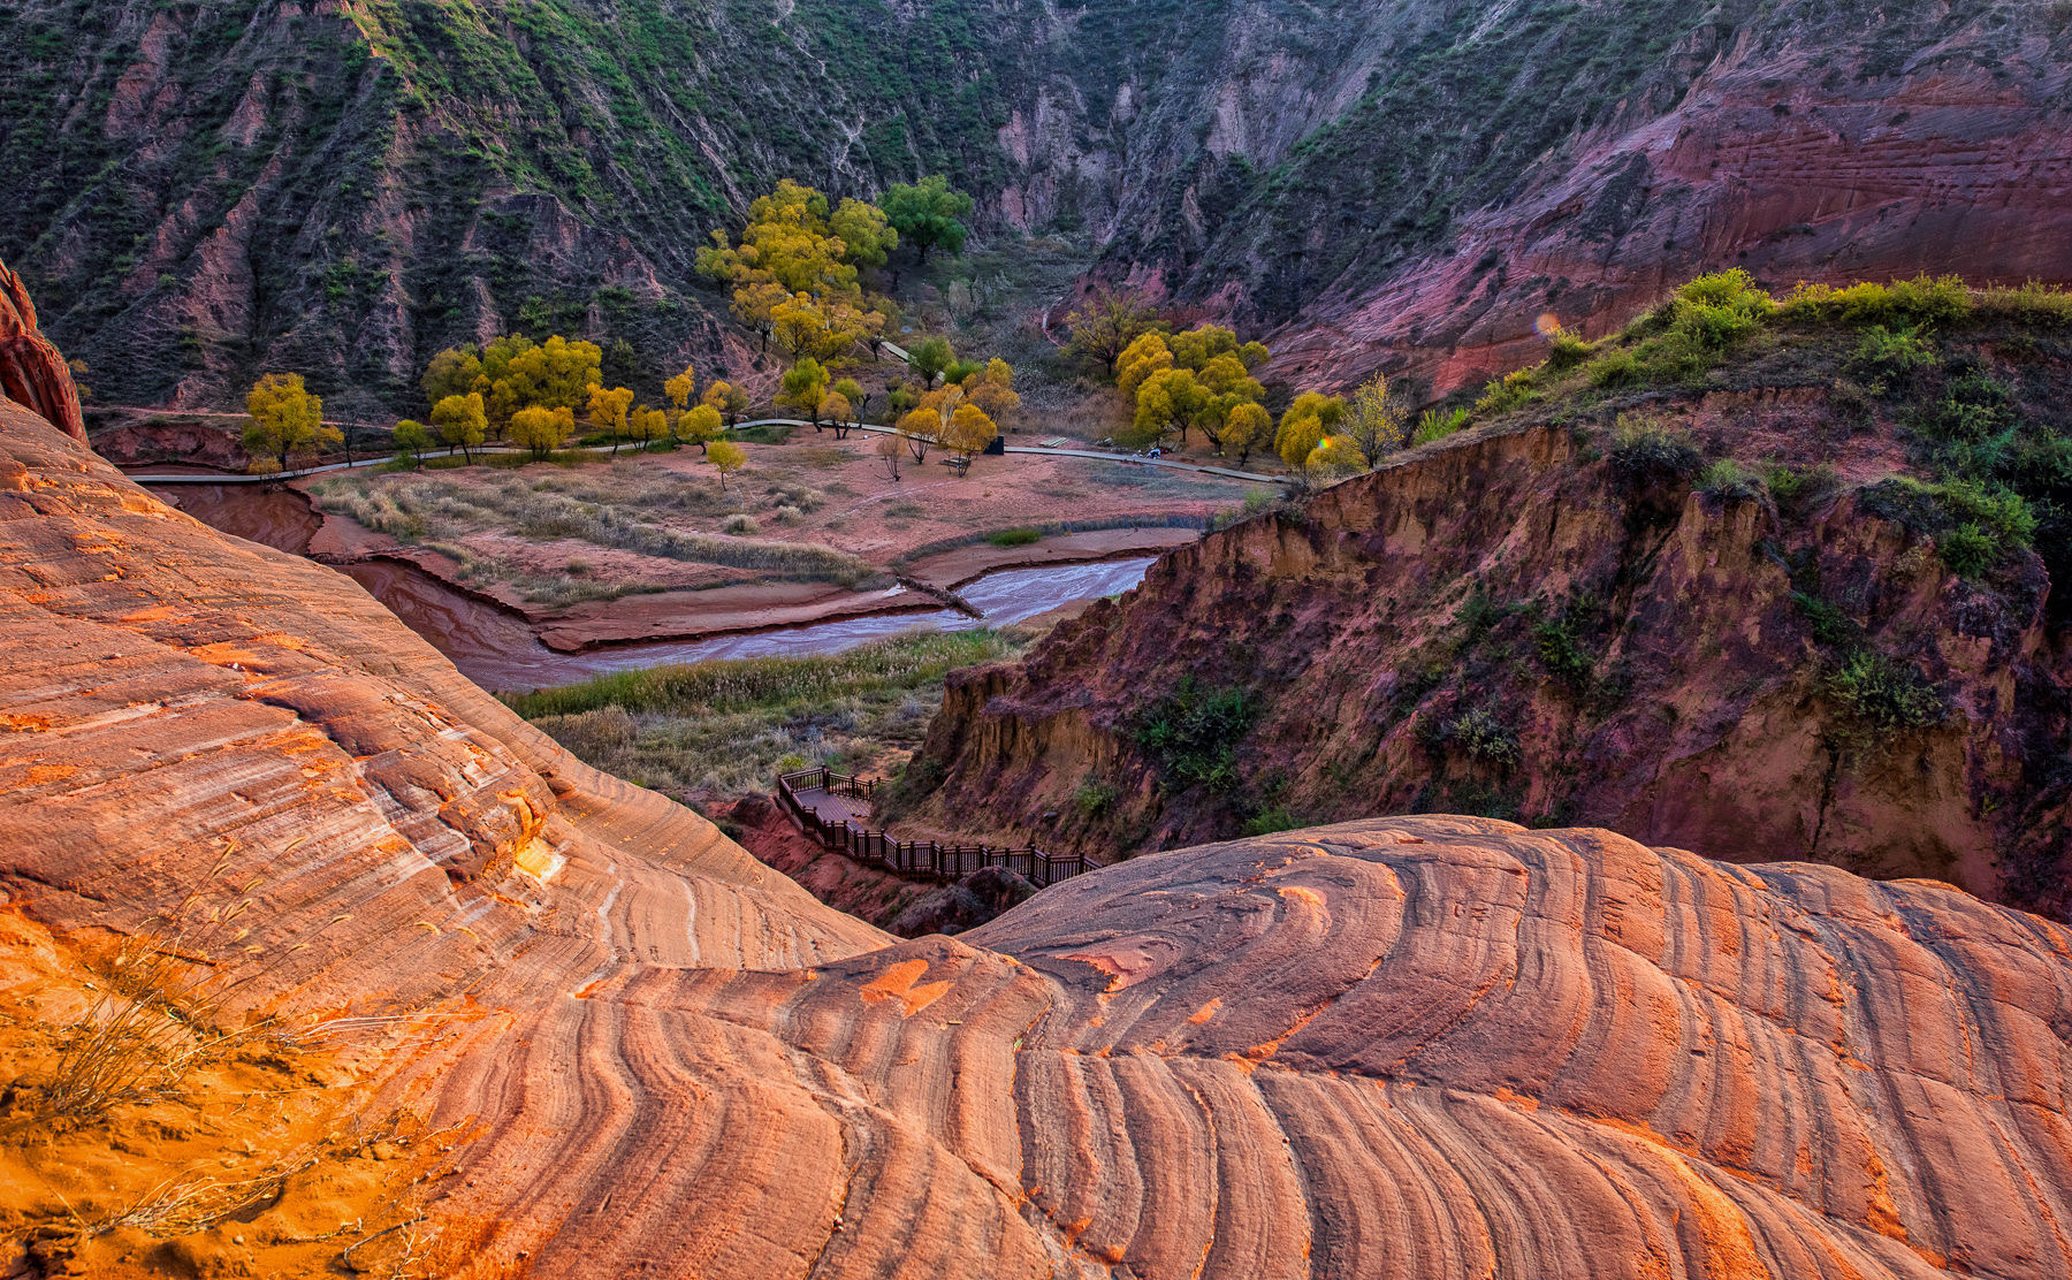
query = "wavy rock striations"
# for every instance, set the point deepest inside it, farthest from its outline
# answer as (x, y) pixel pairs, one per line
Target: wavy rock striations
(1418, 1047)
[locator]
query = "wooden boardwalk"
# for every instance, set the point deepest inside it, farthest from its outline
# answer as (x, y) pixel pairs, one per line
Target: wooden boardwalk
(835, 810)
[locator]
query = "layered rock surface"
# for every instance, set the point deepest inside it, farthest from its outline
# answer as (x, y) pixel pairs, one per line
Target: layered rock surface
(1417, 1047)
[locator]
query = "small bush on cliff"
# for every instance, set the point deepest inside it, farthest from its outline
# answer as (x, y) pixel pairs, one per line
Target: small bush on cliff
(1881, 697)
(1095, 798)
(1509, 392)
(1797, 490)
(1437, 424)
(1647, 452)
(1193, 734)
(1480, 737)
(1728, 480)
(1566, 350)
(1893, 352)
(1562, 653)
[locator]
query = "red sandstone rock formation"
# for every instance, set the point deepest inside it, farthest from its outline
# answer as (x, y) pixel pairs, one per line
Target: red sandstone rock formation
(1426, 1047)
(32, 373)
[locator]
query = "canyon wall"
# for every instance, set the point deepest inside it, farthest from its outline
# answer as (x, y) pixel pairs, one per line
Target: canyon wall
(1506, 623)
(1417, 1047)
(343, 189)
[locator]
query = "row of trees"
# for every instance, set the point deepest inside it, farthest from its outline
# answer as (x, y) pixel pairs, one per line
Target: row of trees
(1202, 379)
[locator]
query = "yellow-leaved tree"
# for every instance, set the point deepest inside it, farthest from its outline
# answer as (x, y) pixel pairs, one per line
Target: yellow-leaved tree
(727, 400)
(699, 425)
(992, 390)
(461, 420)
(609, 409)
(726, 458)
(1374, 421)
(285, 421)
(680, 388)
(1304, 425)
(970, 430)
(540, 429)
(1247, 427)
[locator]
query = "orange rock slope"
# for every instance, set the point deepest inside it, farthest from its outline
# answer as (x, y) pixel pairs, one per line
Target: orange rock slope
(1418, 1047)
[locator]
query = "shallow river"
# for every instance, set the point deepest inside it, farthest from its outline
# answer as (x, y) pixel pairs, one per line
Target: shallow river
(499, 651)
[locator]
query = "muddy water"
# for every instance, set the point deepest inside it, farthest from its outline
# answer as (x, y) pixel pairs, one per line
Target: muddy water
(499, 651)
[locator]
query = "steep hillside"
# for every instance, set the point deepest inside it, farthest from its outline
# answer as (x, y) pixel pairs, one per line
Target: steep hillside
(343, 188)
(1785, 609)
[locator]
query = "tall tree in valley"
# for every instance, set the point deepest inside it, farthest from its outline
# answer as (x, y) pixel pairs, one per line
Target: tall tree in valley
(285, 420)
(928, 214)
(1374, 420)
(700, 426)
(1104, 324)
(539, 429)
(462, 421)
(1247, 427)
(608, 411)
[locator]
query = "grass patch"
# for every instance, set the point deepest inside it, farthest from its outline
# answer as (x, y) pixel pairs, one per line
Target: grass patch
(722, 728)
(1015, 537)
(622, 506)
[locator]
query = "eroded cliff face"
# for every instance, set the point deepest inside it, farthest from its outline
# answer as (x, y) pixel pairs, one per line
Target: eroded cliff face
(343, 189)
(1417, 1047)
(1506, 623)
(32, 372)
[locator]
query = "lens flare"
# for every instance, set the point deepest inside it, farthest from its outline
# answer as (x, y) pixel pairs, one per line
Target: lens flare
(1548, 324)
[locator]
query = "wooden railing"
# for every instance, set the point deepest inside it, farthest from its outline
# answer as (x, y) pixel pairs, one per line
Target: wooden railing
(923, 858)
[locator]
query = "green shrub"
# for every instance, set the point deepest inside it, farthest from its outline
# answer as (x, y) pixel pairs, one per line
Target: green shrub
(1562, 653)
(1509, 392)
(1893, 351)
(1881, 697)
(1798, 489)
(1014, 537)
(2033, 303)
(1618, 369)
(1975, 525)
(1193, 734)
(1730, 481)
(1437, 424)
(1969, 550)
(1829, 625)
(1094, 798)
(1645, 451)
(1481, 737)
(1566, 350)
(1268, 821)
(1922, 300)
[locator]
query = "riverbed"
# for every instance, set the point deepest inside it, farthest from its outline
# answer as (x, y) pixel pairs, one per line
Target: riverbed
(500, 651)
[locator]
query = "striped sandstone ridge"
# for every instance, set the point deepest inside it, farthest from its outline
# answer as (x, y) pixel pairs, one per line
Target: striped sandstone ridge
(1421, 1047)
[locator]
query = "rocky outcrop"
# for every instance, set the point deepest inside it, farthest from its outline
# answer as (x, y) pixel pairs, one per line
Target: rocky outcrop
(32, 372)
(1509, 623)
(1421, 1047)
